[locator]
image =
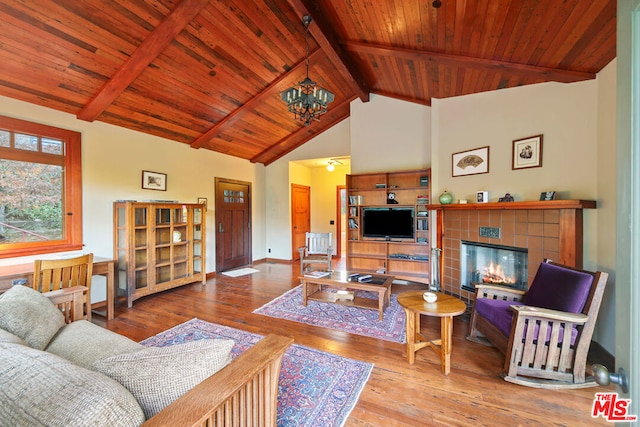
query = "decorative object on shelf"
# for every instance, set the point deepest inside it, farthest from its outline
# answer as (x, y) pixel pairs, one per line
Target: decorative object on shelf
(462, 201)
(527, 153)
(548, 195)
(203, 201)
(154, 181)
(381, 185)
(424, 181)
(430, 297)
(470, 162)
(445, 198)
(507, 198)
(482, 196)
(307, 101)
(391, 198)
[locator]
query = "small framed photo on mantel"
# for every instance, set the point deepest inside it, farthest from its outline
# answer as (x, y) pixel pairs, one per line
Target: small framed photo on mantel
(548, 195)
(527, 153)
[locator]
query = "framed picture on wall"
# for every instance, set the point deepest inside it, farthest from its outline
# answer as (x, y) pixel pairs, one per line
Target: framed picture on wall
(154, 181)
(470, 162)
(527, 153)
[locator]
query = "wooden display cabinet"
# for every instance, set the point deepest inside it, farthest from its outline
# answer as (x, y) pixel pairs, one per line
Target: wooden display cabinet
(158, 246)
(404, 258)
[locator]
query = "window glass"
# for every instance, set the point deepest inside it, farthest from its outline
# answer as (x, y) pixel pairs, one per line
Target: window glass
(5, 138)
(52, 146)
(31, 201)
(26, 142)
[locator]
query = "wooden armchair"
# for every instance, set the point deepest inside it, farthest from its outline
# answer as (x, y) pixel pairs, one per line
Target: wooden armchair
(55, 274)
(318, 250)
(562, 306)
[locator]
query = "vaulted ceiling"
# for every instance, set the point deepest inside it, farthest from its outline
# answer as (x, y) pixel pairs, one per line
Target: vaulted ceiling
(208, 73)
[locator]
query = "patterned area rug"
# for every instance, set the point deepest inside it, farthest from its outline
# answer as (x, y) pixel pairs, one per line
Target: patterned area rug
(354, 320)
(315, 388)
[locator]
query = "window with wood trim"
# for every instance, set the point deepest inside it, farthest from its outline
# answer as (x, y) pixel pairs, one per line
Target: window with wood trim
(40, 189)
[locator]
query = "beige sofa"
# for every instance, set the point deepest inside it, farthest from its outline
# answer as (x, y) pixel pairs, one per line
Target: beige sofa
(59, 372)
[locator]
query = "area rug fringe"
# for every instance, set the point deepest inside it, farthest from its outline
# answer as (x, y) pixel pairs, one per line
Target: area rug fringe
(316, 388)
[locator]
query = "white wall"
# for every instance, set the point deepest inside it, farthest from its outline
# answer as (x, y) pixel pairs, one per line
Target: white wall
(607, 255)
(279, 177)
(389, 135)
(113, 159)
(566, 115)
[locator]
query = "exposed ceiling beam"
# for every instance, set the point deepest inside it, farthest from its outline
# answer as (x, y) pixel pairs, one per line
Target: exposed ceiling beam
(285, 145)
(149, 49)
(325, 37)
(552, 74)
(249, 106)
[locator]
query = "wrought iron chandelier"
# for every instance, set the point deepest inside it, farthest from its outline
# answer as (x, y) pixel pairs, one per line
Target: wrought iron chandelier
(307, 101)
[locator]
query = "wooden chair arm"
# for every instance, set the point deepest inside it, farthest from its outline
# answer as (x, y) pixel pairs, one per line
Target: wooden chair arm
(499, 292)
(70, 301)
(246, 389)
(524, 311)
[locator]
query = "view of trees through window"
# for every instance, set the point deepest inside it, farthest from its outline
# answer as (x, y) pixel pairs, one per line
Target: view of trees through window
(31, 188)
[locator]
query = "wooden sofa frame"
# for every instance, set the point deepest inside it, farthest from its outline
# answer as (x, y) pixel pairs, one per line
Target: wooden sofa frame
(244, 393)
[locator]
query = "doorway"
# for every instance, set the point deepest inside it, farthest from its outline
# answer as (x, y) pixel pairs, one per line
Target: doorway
(300, 217)
(233, 223)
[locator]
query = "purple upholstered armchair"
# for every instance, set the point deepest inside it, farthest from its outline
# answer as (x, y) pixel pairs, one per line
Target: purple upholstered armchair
(562, 302)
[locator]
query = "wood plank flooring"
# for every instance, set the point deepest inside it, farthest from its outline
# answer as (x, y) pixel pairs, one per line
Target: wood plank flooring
(397, 394)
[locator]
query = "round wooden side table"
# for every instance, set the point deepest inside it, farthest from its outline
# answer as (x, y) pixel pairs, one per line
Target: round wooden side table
(445, 307)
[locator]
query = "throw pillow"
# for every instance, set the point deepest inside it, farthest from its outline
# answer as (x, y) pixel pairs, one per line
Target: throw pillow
(30, 315)
(157, 376)
(83, 342)
(41, 389)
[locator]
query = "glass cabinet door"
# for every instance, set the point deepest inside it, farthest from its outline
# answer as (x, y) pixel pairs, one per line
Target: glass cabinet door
(197, 245)
(140, 247)
(180, 247)
(171, 243)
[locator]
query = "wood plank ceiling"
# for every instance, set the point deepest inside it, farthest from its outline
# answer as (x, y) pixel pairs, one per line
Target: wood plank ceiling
(208, 73)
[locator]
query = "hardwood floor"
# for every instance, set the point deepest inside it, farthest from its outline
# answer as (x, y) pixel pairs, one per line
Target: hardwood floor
(397, 394)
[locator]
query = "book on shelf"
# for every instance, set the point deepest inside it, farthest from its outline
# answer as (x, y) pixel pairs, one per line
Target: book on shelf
(317, 274)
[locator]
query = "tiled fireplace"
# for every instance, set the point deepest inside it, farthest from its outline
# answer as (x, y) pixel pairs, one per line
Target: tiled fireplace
(549, 229)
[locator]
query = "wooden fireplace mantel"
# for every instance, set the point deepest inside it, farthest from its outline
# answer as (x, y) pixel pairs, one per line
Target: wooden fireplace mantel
(546, 204)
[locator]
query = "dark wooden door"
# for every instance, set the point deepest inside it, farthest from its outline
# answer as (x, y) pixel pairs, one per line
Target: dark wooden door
(233, 224)
(300, 217)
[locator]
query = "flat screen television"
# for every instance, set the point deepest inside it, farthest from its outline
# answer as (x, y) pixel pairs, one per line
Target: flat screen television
(391, 222)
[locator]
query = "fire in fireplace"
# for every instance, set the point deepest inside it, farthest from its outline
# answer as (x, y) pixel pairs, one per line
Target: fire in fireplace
(492, 264)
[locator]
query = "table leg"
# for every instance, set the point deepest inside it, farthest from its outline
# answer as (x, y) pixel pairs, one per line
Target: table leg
(111, 291)
(381, 304)
(446, 334)
(413, 321)
(304, 292)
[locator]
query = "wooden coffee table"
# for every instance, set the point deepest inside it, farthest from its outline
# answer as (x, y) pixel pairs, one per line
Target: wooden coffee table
(316, 289)
(445, 307)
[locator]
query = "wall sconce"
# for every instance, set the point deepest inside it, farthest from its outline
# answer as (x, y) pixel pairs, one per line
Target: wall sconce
(330, 166)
